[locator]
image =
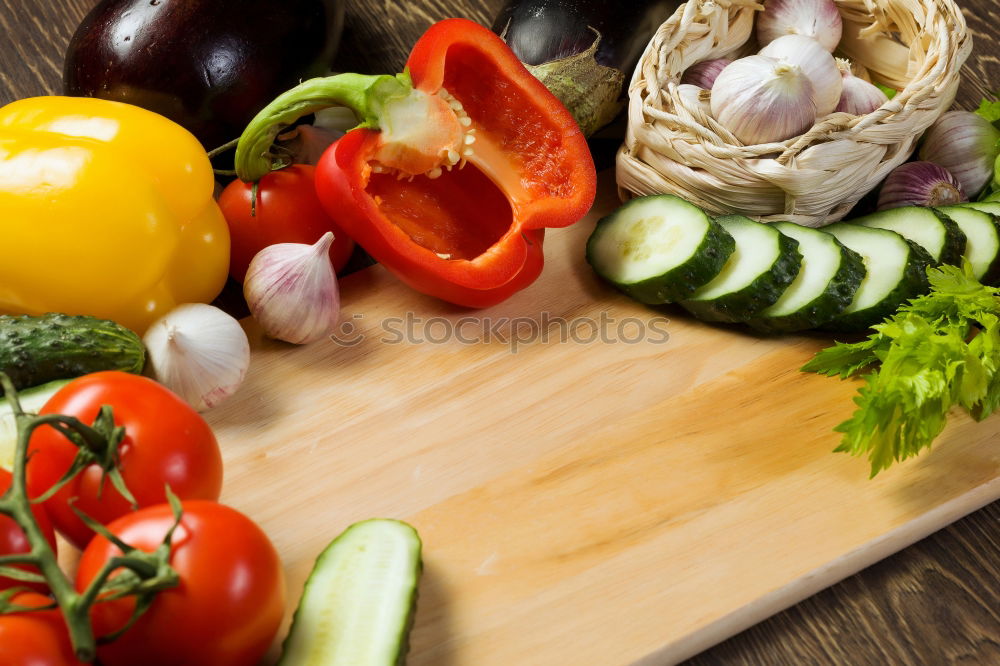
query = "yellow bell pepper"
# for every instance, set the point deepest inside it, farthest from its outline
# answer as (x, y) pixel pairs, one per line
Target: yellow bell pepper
(106, 209)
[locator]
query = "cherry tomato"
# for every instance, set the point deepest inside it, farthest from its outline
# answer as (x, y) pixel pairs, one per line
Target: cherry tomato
(35, 638)
(166, 442)
(228, 606)
(287, 211)
(13, 540)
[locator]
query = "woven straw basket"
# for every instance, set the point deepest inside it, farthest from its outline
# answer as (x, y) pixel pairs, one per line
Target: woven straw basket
(917, 46)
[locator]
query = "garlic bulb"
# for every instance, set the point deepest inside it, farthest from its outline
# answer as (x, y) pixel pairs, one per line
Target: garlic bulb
(816, 19)
(693, 97)
(919, 184)
(704, 73)
(199, 352)
(858, 97)
(857, 69)
(761, 100)
(967, 145)
(292, 292)
(816, 63)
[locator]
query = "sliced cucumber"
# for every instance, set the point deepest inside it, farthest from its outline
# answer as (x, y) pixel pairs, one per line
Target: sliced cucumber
(32, 400)
(658, 249)
(942, 238)
(764, 263)
(991, 207)
(358, 604)
(982, 250)
(824, 287)
(897, 271)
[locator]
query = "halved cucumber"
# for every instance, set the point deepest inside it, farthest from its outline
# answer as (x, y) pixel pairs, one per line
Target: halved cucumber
(826, 284)
(764, 263)
(982, 249)
(32, 400)
(897, 271)
(942, 238)
(658, 249)
(358, 604)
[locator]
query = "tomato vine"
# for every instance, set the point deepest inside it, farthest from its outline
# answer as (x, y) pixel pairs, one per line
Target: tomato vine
(133, 573)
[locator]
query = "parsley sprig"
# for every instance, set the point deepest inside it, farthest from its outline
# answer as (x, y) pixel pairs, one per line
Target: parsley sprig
(938, 351)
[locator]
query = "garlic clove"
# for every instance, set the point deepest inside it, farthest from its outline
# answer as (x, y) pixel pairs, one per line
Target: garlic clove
(816, 19)
(292, 291)
(920, 184)
(199, 352)
(967, 145)
(761, 100)
(858, 97)
(817, 64)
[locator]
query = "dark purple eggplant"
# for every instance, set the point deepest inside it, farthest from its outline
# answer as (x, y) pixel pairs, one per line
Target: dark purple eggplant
(209, 65)
(583, 50)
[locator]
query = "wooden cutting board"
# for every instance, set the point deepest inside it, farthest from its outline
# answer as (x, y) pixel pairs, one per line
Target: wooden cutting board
(584, 498)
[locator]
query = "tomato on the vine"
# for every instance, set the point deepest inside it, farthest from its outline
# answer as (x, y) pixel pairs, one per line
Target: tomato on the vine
(228, 606)
(35, 638)
(13, 540)
(287, 211)
(166, 443)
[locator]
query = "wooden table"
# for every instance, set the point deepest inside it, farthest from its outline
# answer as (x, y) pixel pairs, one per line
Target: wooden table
(937, 602)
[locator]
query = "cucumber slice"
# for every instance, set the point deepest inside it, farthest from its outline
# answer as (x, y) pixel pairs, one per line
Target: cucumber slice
(358, 604)
(991, 207)
(982, 250)
(942, 238)
(658, 249)
(32, 400)
(764, 264)
(897, 271)
(824, 287)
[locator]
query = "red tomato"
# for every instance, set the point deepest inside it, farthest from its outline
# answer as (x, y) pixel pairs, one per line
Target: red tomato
(166, 442)
(287, 211)
(228, 606)
(35, 638)
(13, 539)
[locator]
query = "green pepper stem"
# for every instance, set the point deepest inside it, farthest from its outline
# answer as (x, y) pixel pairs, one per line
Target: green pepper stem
(364, 95)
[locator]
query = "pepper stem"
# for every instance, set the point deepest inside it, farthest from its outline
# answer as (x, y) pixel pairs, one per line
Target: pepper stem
(362, 94)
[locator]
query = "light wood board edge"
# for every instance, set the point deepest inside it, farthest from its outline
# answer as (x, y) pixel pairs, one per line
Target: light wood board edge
(829, 574)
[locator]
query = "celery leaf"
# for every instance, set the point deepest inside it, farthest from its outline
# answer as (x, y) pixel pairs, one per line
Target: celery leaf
(940, 350)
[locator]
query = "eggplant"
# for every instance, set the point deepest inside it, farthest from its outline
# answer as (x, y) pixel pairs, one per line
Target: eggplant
(584, 50)
(209, 65)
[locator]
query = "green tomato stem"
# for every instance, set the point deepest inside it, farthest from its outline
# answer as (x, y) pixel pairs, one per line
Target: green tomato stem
(15, 503)
(363, 94)
(153, 571)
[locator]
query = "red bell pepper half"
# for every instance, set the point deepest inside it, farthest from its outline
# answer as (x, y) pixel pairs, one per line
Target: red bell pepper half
(455, 170)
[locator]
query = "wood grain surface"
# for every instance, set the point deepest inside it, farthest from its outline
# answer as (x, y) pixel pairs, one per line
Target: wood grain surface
(934, 603)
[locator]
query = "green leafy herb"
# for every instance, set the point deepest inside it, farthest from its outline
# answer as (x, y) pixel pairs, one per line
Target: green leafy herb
(938, 351)
(989, 109)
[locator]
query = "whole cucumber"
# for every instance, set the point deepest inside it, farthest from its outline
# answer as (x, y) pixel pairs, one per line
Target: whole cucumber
(36, 350)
